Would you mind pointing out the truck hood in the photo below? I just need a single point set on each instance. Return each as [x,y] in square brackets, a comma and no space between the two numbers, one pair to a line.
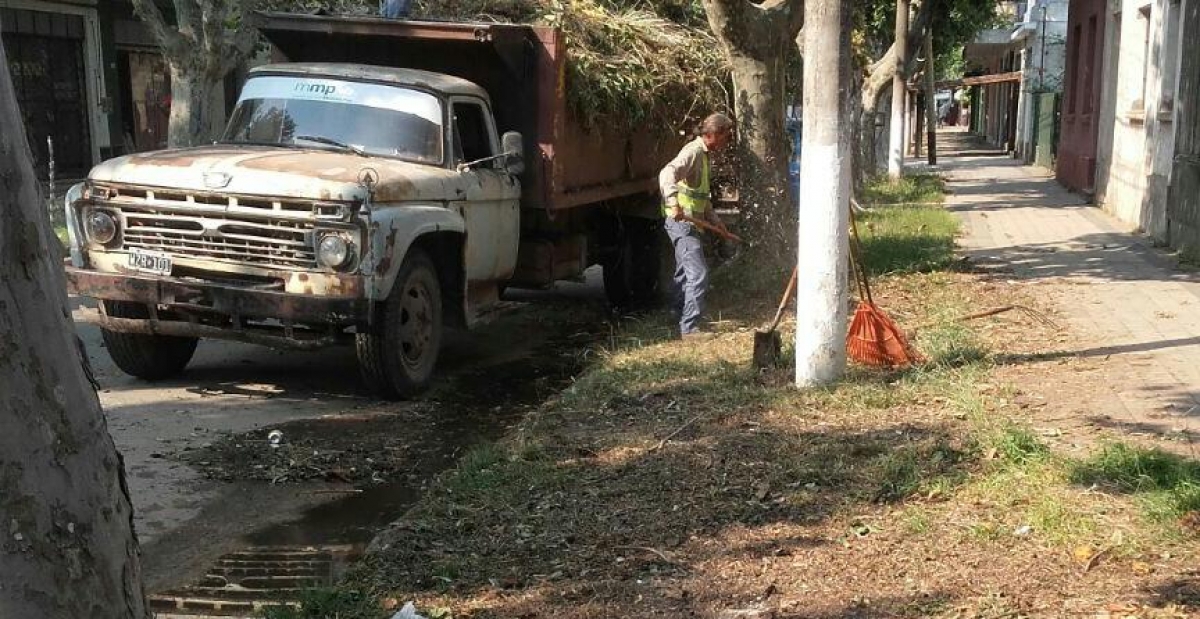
[305,174]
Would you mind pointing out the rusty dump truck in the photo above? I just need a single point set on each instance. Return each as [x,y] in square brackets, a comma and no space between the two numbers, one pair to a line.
[384,180]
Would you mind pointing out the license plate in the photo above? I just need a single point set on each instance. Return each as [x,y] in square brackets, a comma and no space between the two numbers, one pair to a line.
[150,262]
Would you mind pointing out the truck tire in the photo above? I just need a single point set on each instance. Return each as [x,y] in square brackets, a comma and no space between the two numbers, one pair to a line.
[149,357]
[397,354]
[632,270]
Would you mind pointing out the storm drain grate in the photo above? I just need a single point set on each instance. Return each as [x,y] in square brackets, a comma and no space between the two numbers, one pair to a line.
[245,582]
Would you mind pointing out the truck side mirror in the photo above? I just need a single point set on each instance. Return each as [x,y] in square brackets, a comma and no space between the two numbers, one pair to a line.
[514,152]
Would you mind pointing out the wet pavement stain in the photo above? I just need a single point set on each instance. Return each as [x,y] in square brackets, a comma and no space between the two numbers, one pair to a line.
[412,445]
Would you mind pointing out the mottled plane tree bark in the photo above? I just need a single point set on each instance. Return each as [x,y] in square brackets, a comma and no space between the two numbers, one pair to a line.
[67,545]
[207,40]
[759,41]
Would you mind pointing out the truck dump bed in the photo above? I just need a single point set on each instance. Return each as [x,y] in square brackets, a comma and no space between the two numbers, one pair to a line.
[522,69]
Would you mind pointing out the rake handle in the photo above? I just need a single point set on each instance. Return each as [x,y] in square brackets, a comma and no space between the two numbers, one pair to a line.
[711,228]
[860,269]
[787,294]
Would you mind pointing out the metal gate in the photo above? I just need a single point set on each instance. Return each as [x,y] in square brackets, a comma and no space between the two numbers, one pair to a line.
[1183,203]
[45,58]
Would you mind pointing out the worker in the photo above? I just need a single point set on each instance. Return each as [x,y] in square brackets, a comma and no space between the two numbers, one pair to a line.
[685,186]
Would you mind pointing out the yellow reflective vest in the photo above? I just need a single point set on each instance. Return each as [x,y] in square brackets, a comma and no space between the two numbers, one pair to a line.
[694,200]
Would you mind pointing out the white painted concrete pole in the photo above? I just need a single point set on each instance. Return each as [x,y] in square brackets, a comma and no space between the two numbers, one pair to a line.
[825,175]
[898,135]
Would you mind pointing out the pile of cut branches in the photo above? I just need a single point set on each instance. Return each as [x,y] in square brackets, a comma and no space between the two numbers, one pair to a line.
[630,63]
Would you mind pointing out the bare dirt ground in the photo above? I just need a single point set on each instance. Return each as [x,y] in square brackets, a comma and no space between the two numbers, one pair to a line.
[205,482]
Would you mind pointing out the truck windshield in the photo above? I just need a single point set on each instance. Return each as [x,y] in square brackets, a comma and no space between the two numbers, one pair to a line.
[367,118]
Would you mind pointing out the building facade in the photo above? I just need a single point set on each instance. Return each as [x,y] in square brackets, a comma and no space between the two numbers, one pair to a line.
[1131,131]
[89,79]
[1079,128]
[1042,35]
[1142,55]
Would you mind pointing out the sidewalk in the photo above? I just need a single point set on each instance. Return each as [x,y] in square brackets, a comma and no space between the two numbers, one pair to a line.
[1127,305]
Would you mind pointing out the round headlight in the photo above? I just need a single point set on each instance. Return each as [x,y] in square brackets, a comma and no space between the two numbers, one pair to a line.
[100,227]
[333,251]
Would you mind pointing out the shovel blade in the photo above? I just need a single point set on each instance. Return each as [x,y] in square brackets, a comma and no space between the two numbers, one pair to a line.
[767,348]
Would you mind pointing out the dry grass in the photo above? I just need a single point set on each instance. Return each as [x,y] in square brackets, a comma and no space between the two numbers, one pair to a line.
[632,64]
[672,479]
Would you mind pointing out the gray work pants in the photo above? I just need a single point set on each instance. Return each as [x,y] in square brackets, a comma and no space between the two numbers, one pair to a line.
[691,274]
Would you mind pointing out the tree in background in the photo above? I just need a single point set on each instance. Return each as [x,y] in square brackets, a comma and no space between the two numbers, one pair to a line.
[206,42]
[759,42]
[955,23]
[69,548]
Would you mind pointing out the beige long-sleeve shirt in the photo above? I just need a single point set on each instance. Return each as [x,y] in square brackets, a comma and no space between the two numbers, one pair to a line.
[687,166]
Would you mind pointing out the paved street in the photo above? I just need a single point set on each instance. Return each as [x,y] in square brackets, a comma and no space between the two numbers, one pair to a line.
[1127,301]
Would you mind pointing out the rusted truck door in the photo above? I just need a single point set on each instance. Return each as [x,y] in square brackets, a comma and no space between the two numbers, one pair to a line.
[492,195]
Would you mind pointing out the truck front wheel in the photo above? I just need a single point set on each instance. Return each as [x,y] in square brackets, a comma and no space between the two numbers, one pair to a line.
[149,357]
[397,353]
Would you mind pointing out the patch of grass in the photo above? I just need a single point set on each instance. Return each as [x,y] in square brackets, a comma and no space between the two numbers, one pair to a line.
[1017,446]
[907,231]
[493,475]
[952,344]
[1060,521]
[329,602]
[1168,485]
[901,239]
[911,470]
[916,521]
[985,531]
[912,188]
[60,230]
[1024,483]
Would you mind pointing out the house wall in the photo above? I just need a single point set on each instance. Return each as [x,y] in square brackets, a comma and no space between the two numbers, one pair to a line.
[1162,88]
[1121,179]
[1183,206]
[1081,107]
[125,84]
[1134,165]
[41,15]
[1043,35]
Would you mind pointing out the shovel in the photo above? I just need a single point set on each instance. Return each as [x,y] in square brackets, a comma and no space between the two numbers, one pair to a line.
[711,228]
[767,344]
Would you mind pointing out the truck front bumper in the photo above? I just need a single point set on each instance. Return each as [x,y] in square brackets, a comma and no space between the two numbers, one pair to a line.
[237,303]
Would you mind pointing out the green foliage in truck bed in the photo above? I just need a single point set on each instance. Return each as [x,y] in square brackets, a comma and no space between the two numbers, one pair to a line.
[630,63]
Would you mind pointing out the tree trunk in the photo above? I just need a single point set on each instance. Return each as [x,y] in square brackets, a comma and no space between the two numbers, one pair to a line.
[825,176]
[767,209]
[869,133]
[860,124]
[68,545]
[896,152]
[197,107]
[759,39]
[931,98]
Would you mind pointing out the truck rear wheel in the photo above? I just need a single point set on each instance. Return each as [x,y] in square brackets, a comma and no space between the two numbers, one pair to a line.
[149,357]
[632,270]
[397,354]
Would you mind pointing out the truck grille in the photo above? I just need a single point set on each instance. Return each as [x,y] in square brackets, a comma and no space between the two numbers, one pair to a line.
[258,231]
